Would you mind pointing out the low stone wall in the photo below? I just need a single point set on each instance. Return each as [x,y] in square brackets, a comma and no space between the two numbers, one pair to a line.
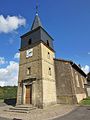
[80,97]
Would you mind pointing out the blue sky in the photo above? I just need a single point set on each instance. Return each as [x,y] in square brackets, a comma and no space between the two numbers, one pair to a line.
[67,21]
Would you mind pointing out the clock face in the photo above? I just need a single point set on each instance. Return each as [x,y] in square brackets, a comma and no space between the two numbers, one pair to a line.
[29,53]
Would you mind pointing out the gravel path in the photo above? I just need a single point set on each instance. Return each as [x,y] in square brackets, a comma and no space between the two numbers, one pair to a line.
[37,114]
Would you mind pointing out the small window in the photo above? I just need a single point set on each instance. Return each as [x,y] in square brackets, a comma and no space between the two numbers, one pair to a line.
[48,55]
[29,42]
[29,71]
[47,42]
[49,72]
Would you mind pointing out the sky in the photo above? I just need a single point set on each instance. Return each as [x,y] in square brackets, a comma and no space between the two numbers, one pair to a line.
[67,21]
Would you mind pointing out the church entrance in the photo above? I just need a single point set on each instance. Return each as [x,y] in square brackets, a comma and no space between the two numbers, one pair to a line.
[28,94]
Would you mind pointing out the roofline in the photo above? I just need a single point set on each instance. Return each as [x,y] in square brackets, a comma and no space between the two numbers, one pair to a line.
[33,23]
[79,69]
[47,33]
[30,32]
[73,65]
[36,30]
[63,60]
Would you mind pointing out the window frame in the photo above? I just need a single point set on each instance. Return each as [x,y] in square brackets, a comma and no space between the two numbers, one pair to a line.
[29,71]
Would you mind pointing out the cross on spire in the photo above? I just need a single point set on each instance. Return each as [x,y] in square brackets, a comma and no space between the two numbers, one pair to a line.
[36,6]
[36,23]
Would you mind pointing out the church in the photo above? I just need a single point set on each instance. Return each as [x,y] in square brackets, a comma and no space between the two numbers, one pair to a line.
[43,79]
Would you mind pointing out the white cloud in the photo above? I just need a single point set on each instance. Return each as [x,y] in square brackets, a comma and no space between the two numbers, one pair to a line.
[11,23]
[2,83]
[86,69]
[2,60]
[9,74]
[88,53]
[17,55]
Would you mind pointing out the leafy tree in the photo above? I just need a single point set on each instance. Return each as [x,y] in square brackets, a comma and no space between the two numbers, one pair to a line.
[8,92]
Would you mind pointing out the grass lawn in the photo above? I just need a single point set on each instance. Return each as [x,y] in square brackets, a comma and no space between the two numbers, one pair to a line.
[85,101]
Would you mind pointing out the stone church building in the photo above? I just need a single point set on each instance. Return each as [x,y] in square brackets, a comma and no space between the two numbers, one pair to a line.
[43,79]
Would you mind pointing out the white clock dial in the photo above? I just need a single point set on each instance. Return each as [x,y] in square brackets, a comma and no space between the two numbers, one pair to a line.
[29,53]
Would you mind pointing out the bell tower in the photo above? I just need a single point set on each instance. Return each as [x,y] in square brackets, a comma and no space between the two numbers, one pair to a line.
[36,82]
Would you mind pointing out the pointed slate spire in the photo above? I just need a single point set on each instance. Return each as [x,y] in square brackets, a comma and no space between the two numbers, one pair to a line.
[36,22]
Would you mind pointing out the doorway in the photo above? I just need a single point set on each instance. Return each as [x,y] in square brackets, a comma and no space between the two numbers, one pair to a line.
[28,94]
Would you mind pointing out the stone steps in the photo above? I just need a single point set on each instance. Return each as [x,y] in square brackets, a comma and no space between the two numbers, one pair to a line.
[21,109]
[24,106]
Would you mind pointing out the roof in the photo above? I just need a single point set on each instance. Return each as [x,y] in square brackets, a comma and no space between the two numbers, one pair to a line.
[38,34]
[26,34]
[74,65]
[36,22]
[35,26]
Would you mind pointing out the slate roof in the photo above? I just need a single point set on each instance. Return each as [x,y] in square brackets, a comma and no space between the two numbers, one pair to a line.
[36,22]
[37,34]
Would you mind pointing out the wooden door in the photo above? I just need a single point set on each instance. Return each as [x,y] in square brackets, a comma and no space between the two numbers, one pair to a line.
[28,94]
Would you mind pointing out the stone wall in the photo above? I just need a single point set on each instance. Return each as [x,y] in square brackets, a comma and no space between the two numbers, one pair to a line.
[44,87]
[79,80]
[66,84]
[49,84]
[64,87]
[35,63]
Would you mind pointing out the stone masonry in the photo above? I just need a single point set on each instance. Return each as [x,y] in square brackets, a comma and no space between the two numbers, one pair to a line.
[69,83]
[44,80]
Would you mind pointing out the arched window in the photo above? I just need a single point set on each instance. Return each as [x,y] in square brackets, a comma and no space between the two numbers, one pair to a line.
[47,42]
[29,71]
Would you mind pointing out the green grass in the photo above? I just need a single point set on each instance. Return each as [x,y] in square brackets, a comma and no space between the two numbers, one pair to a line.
[85,101]
[8,92]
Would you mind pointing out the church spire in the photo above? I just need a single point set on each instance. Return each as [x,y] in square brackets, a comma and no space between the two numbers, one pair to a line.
[36,22]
